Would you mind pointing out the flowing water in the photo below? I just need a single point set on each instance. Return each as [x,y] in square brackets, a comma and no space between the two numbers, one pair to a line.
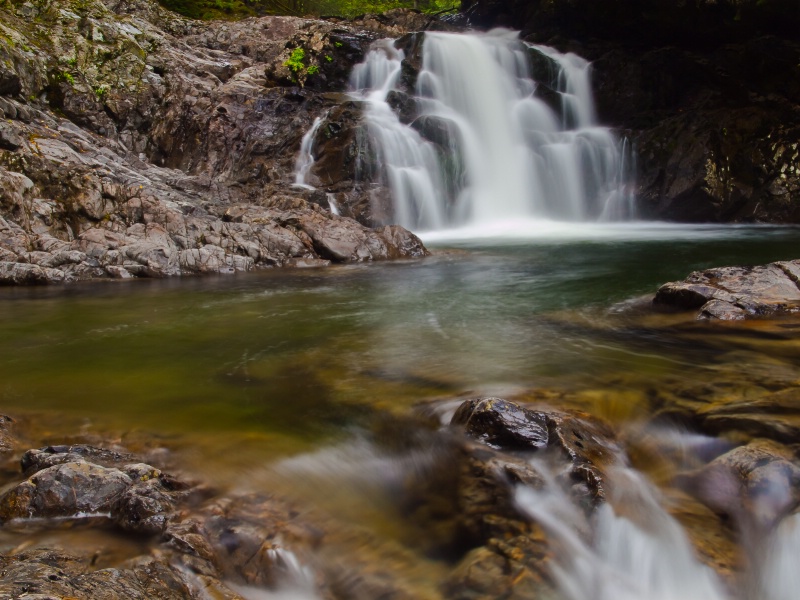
[264,381]
[276,380]
[486,145]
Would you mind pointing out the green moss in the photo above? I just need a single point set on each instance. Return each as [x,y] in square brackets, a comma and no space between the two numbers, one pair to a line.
[65,76]
[101,91]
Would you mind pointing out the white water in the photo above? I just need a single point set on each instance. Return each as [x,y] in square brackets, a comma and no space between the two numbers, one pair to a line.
[502,154]
[305,160]
[642,554]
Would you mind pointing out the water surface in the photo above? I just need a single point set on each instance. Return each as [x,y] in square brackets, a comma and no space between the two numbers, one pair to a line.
[292,359]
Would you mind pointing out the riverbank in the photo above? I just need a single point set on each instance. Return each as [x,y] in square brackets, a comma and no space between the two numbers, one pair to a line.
[137,143]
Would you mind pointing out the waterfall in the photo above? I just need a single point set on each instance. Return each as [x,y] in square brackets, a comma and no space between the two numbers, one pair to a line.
[305,160]
[638,553]
[489,142]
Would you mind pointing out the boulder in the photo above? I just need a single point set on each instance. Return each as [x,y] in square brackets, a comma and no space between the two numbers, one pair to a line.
[735,293]
[76,482]
[586,445]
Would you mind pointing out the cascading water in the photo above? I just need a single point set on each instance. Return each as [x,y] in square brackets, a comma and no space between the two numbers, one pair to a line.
[485,145]
[643,554]
[305,160]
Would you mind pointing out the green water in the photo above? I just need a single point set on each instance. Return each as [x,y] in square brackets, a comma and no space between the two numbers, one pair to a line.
[292,359]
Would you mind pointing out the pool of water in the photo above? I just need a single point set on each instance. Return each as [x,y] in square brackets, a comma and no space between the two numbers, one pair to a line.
[287,361]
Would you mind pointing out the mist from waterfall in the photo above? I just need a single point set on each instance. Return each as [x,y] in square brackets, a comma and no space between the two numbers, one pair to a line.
[486,146]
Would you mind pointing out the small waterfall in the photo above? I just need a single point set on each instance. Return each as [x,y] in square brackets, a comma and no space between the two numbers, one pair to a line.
[638,553]
[489,143]
[779,577]
[305,160]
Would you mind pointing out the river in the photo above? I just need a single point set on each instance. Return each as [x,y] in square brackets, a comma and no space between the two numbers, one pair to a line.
[265,381]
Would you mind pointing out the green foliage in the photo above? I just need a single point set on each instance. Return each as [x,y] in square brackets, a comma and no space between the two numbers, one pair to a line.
[329,58]
[100,92]
[295,62]
[65,76]
[234,9]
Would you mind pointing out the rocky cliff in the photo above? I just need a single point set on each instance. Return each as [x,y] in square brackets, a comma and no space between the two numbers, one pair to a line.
[134,142]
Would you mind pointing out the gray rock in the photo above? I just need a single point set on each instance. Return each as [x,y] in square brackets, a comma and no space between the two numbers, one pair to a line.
[735,293]
[66,490]
[756,484]
[9,138]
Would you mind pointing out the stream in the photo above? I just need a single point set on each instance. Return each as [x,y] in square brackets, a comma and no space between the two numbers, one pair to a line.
[268,380]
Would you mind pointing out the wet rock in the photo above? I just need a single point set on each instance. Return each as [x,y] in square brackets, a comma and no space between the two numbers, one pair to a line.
[755,485]
[515,568]
[772,416]
[713,539]
[245,538]
[68,482]
[735,293]
[45,574]
[66,490]
[586,444]
[502,424]
[37,459]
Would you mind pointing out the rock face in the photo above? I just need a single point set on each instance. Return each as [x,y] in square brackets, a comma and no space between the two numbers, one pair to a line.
[714,129]
[137,143]
[735,293]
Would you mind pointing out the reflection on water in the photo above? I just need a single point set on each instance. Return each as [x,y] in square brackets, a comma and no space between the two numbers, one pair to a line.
[285,359]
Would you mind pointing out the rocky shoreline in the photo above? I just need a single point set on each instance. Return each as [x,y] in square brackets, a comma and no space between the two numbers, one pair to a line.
[138,143]
[735,293]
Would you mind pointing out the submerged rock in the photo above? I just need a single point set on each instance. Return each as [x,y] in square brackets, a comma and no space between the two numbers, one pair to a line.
[7,440]
[735,293]
[756,485]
